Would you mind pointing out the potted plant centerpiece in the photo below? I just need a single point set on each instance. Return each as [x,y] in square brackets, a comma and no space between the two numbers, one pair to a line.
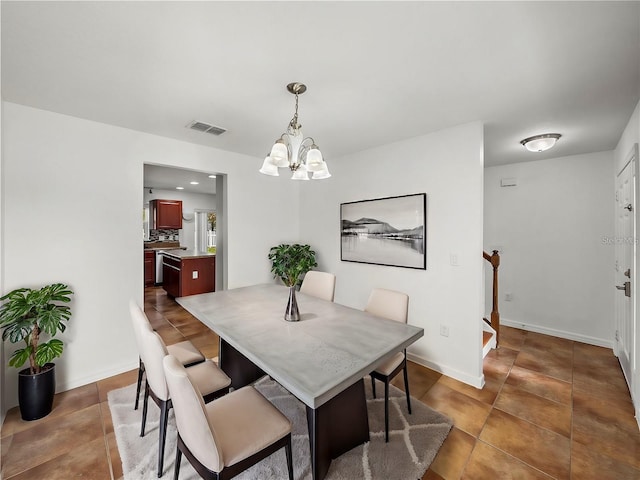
[25,315]
[290,263]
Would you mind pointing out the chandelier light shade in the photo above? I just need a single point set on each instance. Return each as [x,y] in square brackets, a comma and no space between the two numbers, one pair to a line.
[540,143]
[292,150]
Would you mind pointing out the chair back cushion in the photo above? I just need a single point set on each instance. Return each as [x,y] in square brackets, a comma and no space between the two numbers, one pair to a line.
[191,419]
[140,324]
[388,304]
[319,284]
[153,352]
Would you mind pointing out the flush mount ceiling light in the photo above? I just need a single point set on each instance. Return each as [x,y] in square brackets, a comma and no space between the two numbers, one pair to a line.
[540,143]
[293,150]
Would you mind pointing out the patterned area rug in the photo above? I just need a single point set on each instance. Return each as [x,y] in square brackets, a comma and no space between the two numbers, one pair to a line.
[414,440]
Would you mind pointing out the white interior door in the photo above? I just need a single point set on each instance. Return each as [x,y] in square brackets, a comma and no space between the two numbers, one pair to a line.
[625,275]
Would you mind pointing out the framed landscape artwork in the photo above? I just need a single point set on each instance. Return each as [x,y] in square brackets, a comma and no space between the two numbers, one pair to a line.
[385,231]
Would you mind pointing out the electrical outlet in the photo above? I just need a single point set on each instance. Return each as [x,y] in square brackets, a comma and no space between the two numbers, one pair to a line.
[444,330]
[194,274]
[453,259]
[508,297]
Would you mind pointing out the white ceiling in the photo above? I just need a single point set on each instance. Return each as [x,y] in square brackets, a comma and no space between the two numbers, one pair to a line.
[377,72]
[165,178]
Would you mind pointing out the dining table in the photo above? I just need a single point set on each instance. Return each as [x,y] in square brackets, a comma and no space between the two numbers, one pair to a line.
[321,359]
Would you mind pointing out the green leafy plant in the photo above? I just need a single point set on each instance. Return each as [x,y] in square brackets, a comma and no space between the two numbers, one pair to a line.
[290,262]
[26,314]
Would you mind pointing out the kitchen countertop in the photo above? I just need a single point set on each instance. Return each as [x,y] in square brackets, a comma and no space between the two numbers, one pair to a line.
[187,253]
[162,245]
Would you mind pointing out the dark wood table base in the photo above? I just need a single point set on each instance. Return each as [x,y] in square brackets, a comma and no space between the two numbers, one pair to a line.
[335,427]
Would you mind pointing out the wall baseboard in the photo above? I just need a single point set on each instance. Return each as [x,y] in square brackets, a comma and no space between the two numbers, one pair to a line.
[477,382]
[599,342]
[79,382]
[95,377]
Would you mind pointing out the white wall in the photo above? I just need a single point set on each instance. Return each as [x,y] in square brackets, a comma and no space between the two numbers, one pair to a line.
[448,167]
[629,138]
[67,180]
[550,230]
[2,229]
[190,202]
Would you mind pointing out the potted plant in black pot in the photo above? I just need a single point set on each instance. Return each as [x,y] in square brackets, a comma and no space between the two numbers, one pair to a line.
[25,315]
[290,263]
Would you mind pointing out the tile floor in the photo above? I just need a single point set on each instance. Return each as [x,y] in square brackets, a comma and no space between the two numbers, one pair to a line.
[551,408]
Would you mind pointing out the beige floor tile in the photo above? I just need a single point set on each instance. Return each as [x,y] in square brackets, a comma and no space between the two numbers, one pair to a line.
[541,342]
[527,406]
[499,361]
[74,463]
[602,426]
[487,394]
[556,364]
[53,438]
[591,464]
[538,447]
[468,414]
[489,463]
[114,456]
[431,475]
[170,334]
[541,385]
[453,455]
[512,338]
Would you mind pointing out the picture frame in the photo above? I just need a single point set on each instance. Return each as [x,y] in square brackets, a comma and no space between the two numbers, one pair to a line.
[389,231]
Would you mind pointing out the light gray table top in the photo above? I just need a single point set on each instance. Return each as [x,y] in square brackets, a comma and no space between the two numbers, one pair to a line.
[328,350]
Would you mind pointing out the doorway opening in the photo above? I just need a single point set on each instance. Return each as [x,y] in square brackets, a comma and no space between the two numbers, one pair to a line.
[203,197]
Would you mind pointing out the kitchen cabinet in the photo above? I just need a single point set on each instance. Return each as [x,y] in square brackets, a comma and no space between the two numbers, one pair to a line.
[165,214]
[149,267]
[188,275]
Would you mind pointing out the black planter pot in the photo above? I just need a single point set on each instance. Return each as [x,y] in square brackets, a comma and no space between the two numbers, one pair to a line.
[35,392]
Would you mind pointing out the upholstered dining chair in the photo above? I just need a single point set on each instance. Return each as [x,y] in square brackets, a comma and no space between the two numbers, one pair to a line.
[319,284]
[186,352]
[225,437]
[394,306]
[211,381]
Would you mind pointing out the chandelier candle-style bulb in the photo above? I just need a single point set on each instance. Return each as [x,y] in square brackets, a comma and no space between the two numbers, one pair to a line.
[294,150]
[268,168]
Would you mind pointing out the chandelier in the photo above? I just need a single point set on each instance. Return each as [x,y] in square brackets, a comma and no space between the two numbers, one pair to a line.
[293,150]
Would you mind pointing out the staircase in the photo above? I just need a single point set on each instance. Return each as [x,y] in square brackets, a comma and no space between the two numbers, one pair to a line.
[491,329]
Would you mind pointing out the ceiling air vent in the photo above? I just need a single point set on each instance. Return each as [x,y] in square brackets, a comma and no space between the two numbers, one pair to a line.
[206,128]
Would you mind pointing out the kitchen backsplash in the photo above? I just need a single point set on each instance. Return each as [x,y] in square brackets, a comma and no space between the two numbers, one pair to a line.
[155,235]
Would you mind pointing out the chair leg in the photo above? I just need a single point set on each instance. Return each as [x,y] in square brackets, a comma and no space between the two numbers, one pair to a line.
[176,470]
[386,410]
[145,405]
[406,388]
[287,449]
[164,419]
[373,386]
[140,372]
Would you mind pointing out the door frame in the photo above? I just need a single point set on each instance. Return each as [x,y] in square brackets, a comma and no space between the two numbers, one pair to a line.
[634,385]
[625,258]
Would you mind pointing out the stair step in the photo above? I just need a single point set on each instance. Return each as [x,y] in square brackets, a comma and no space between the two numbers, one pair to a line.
[486,336]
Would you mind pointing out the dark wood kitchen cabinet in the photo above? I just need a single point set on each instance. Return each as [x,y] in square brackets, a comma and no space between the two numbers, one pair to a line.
[165,214]
[149,268]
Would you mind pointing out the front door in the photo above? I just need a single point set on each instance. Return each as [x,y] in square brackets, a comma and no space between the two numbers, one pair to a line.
[624,276]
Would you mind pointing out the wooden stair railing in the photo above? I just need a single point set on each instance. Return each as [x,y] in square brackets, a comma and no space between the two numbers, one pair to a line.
[494,260]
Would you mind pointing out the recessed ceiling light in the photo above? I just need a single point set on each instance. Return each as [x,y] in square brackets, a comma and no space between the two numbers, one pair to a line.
[179,188]
[194,183]
[212,176]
